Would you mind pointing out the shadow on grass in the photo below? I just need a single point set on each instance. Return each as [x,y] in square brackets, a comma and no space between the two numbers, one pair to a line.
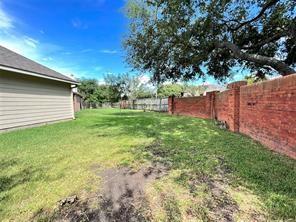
[10,181]
[19,174]
[197,145]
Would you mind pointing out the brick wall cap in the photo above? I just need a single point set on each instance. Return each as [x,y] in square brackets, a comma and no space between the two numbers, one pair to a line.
[284,81]
[237,84]
[212,92]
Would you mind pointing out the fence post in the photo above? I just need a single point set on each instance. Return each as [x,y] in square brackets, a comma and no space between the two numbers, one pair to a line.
[133,103]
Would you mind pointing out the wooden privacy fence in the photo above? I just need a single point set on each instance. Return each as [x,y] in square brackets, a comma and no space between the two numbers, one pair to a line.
[89,105]
[152,104]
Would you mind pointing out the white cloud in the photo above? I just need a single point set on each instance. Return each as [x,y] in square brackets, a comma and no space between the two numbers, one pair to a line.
[108,51]
[28,46]
[46,53]
[20,45]
[6,21]
[11,39]
[31,42]
[41,52]
[47,59]
[109,73]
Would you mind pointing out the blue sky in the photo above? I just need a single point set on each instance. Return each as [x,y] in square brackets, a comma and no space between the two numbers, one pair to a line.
[71,36]
[75,37]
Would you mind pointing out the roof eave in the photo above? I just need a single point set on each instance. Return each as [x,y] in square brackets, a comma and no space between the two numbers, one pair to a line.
[36,74]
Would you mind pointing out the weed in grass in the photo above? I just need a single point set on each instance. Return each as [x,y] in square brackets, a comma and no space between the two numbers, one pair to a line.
[172,209]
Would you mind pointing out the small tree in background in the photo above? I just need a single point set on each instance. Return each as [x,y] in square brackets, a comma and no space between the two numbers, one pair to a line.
[127,86]
[88,89]
[170,90]
[193,90]
[251,79]
[94,93]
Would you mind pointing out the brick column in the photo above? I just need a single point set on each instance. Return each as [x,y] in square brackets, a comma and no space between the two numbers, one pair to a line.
[210,104]
[235,91]
[171,104]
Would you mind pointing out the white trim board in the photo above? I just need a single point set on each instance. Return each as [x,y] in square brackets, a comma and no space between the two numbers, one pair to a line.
[36,74]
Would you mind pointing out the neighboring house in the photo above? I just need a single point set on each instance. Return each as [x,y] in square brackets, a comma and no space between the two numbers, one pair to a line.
[32,94]
[213,87]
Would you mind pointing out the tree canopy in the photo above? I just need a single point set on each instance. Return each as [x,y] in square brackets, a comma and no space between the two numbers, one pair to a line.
[170,90]
[186,39]
[93,93]
[114,88]
[127,86]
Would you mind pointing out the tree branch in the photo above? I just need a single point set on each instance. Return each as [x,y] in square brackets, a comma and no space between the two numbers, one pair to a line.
[278,65]
[264,8]
[273,38]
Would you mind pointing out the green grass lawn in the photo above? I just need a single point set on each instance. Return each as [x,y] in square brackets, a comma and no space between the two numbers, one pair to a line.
[40,166]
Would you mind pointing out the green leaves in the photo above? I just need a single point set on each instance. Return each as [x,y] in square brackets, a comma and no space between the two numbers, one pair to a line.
[178,38]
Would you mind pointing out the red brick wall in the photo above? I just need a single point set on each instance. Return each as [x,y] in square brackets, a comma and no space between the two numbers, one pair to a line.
[171,105]
[199,106]
[224,107]
[265,111]
[191,106]
[268,113]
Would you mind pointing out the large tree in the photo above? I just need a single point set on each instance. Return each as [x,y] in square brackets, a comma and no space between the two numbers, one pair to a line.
[127,86]
[94,93]
[185,39]
[87,88]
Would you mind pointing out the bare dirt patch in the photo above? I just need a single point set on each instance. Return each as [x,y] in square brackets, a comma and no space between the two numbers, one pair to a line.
[122,198]
[219,203]
[124,190]
[122,195]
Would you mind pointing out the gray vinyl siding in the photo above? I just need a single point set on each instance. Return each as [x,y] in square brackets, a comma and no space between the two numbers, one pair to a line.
[26,100]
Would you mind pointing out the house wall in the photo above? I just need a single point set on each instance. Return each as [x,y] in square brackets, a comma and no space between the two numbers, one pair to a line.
[265,111]
[26,100]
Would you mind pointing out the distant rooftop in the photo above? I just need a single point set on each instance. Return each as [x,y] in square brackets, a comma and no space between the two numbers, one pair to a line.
[13,60]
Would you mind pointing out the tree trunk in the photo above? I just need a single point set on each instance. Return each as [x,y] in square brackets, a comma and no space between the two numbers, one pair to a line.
[278,65]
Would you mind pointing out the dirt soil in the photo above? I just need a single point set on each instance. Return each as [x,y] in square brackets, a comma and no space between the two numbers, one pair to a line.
[124,188]
[122,195]
[220,205]
[121,198]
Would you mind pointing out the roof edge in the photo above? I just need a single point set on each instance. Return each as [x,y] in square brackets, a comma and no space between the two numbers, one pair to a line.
[6,68]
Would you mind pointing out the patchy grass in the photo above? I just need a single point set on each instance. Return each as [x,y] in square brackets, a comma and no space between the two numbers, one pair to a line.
[213,172]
